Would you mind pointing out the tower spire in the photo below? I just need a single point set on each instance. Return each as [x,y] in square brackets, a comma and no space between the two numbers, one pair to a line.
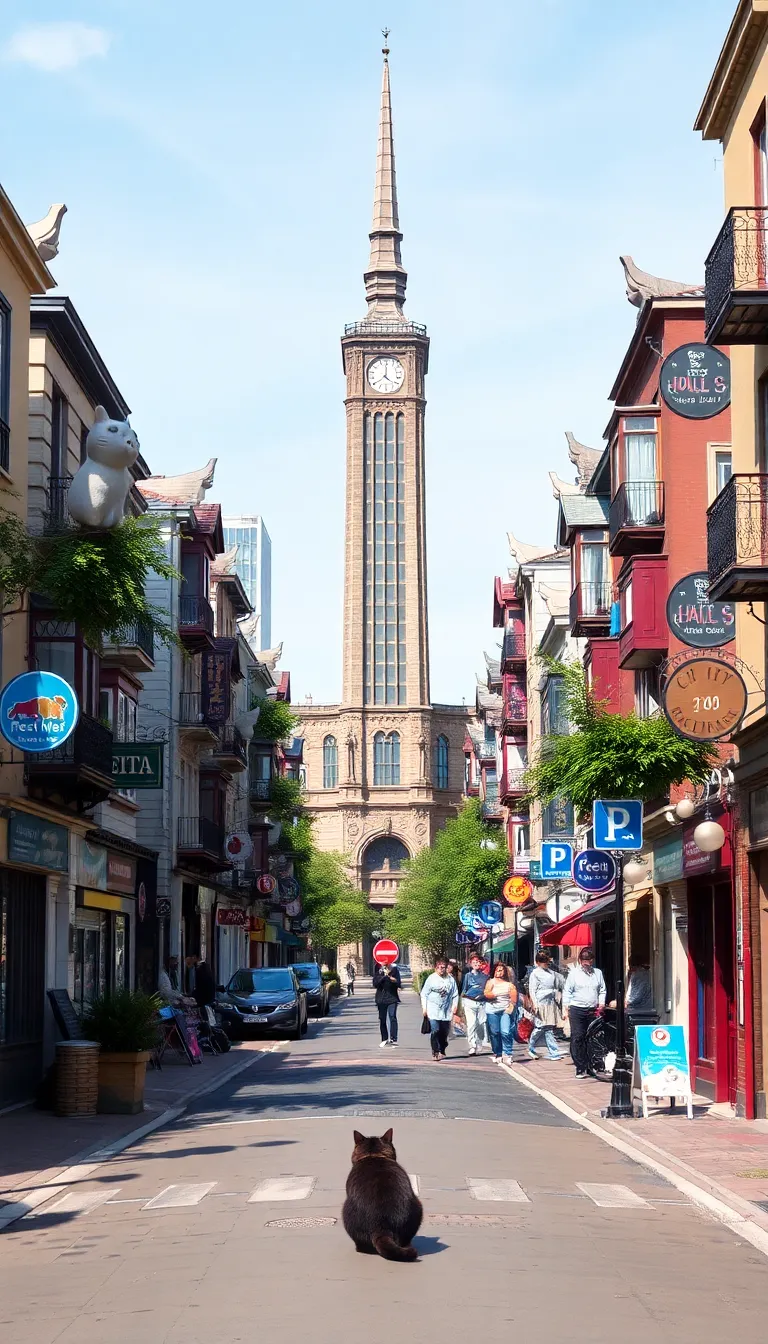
[385,278]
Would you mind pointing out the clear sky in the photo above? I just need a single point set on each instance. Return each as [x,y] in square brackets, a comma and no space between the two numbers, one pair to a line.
[217,161]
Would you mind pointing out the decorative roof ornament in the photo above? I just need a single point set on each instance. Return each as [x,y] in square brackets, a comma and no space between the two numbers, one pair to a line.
[248,628]
[556,599]
[583,458]
[385,278]
[561,487]
[269,658]
[189,488]
[225,563]
[522,552]
[45,232]
[641,285]
[246,722]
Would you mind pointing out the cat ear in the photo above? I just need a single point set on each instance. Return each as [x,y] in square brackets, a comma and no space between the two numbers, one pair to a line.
[100,415]
[357,1136]
[387,1138]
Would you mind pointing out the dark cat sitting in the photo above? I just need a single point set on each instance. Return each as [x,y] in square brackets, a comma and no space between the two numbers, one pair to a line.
[381,1213]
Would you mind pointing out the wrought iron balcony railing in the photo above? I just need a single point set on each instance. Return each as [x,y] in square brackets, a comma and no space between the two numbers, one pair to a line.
[516,708]
[736,278]
[636,504]
[57,511]
[737,538]
[385,329]
[199,834]
[232,743]
[191,711]
[513,781]
[195,613]
[89,747]
[136,636]
[260,790]
[591,601]
[513,646]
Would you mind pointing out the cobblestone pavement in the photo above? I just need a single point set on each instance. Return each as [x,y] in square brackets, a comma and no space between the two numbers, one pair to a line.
[225,1225]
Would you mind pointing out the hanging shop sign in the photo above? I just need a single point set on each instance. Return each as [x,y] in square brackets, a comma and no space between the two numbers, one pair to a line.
[696,860]
[121,873]
[92,866]
[39,843]
[594,871]
[163,907]
[266,884]
[695,381]
[705,698]
[141,901]
[216,686]
[668,859]
[137,765]
[238,847]
[491,912]
[563,904]
[293,909]
[38,711]
[466,915]
[517,890]
[231,918]
[464,938]
[694,618]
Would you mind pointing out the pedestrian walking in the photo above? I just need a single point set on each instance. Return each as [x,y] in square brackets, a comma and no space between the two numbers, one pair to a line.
[544,985]
[456,1026]
[583,995]
[473,1002]
[386,982]
[500,993]
[439,996]
[350,973]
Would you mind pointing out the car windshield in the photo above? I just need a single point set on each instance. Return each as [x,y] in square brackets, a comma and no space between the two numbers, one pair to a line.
[307,975]
[260,982]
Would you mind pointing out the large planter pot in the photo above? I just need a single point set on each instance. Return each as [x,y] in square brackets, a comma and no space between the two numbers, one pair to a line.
[121,1082]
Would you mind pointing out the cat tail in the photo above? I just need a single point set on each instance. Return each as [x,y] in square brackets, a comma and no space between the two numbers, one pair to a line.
[386,1246]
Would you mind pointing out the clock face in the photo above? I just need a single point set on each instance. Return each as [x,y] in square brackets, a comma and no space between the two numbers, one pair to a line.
[386,374]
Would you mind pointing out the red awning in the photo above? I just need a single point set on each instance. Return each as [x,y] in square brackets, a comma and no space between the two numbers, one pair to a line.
[574,930]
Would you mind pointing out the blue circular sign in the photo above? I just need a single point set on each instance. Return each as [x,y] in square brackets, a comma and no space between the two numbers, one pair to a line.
[466,916]
[491,912]
[479,925]
[38,711]
[594,871]
[463,937]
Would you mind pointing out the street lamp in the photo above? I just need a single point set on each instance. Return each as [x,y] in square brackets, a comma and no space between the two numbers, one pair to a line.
[709,836]
[620,1106]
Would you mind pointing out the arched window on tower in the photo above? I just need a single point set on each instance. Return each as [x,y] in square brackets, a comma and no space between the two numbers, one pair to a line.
[441,762]
[330,763]
[386,758]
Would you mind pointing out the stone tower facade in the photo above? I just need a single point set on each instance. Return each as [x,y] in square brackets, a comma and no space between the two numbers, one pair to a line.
[384,769]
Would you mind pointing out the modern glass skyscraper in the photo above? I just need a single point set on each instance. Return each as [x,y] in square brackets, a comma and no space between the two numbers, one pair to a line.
[254,566]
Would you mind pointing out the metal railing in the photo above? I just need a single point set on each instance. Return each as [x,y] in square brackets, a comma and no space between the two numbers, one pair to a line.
[200,834]
[591,601]
[737,525]
[57,509]
[516,708]
[136,636]
[513,646]
[485,750]
[513,781]
[195,613]
[738,260]
[191,711]
[5,446]
[385,329]
[259,790]
[89,746]
[636,504]
[232,743]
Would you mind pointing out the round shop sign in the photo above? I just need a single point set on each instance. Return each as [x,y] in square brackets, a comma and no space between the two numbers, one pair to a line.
[238,847]
[705,698]
[594,871]
[463,937]
[38,711]
[695,381]
[466,915]
[491,912]
[479,926]
[517,890]
[265,884]
[694,619]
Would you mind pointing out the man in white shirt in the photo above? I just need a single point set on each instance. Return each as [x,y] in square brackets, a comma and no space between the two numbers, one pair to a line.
[584,993]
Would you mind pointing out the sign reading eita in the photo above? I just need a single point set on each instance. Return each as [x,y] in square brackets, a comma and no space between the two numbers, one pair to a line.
[137,765]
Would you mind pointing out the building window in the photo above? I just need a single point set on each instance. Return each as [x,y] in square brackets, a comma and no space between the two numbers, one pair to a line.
[491,788]
[723,468]
[59,431]
[640,469]
[441,762]
[387,854]
[594,574]
[647,694]
[384,589]
[5,383]
[554,716]
[386,758]
[330,763]
[557,818]
[84,432]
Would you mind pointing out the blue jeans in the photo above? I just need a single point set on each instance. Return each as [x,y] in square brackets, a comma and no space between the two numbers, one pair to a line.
[439,1035]
[549,1037]
[499,1027]
[388,1021]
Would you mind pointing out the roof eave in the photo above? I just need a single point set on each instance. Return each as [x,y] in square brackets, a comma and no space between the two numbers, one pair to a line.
[732,68]
[15,237]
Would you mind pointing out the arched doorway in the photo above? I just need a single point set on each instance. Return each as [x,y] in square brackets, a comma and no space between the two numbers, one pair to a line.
[382,872]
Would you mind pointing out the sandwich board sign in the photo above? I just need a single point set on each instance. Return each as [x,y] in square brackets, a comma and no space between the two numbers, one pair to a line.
[661,1056]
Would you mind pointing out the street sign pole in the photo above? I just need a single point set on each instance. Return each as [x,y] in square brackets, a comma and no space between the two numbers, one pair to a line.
[620,1106]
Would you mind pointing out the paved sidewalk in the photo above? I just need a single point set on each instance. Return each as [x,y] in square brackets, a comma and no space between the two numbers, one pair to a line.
[36,1145]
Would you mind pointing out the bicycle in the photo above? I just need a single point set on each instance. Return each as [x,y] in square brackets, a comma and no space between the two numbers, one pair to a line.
[600,1044]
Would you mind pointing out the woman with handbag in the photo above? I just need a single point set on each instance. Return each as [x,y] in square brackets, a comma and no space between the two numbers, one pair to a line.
[544,985]
[501,998]
[439,996]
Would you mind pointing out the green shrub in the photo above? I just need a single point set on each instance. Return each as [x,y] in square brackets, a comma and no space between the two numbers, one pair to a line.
[418,979]
[124,1021]
[276,720]
[333,982]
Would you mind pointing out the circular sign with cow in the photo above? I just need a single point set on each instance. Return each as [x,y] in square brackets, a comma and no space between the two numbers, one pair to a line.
[695,381]
[694,618]
[38,711]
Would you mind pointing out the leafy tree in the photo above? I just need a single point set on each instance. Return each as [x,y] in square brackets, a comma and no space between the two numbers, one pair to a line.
[285,799]
[457,870]
[338,912]
[276,720]
[611,755]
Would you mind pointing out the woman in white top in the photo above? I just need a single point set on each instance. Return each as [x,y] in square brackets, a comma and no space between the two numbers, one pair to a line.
[501,1000]
[439,996]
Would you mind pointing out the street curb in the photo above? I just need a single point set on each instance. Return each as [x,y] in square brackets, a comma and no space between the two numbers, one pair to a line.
[745,1227]
[79,1168]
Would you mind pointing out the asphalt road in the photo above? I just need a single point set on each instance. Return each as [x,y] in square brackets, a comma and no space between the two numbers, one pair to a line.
[225,1226]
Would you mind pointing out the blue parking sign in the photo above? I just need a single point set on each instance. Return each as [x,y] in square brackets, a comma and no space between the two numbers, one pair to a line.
[617,823]
[556,859]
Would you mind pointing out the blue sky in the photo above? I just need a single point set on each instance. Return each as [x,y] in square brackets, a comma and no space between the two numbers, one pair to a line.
[217,162]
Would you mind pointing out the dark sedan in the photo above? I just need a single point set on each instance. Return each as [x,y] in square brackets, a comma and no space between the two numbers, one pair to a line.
[310,978]
[263,1000]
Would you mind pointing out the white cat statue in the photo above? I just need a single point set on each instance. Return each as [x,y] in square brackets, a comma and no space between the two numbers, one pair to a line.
[100,488]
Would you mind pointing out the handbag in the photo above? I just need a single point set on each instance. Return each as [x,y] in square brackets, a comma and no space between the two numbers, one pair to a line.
[524,1027]
[426,1029]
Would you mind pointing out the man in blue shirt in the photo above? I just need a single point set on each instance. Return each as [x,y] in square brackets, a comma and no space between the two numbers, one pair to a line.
[583,997]
[473,1002]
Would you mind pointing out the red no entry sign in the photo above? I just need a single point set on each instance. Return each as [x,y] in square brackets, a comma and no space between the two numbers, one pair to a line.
[385,952]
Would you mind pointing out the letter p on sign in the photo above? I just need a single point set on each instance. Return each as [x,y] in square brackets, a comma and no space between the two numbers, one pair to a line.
[618,823]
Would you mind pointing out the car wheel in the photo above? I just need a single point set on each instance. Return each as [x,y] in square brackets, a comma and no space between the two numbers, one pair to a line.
[305,1028]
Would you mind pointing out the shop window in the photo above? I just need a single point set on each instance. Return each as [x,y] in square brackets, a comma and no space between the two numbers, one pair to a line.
[647,693]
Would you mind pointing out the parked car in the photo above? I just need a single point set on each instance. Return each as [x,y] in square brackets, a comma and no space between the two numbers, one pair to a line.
[310,978]
[263,1000]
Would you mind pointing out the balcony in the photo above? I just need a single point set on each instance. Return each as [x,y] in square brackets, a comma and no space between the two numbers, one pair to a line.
[643,588]
[514,707]
[132,648]
[385,329]
[259,792]
[78,774]
[636,518]
[737,540]
[195,622]
[492,810]
[736,279]
[513,650]
[193,722]
[512,785]
[485,750]
[56,518]
[231,751]
[201,842]
[590,609]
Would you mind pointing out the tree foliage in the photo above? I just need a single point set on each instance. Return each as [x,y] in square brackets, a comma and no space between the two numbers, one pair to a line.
[338,912]
[457,870]
[276,720]
[611,755]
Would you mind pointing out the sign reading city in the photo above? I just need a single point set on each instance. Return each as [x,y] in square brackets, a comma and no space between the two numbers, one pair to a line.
[694,619]
[491,912]
[594,871]
[556,859]
[38,711]
[385,952]
[517,890]
[663,1060]
[695,381]
[137,765]
[617,823]
[705,698]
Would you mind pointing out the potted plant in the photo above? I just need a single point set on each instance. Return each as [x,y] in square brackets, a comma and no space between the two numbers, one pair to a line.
[125,1023]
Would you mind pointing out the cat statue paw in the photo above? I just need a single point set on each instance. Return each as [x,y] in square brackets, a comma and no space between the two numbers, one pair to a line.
[100,488]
